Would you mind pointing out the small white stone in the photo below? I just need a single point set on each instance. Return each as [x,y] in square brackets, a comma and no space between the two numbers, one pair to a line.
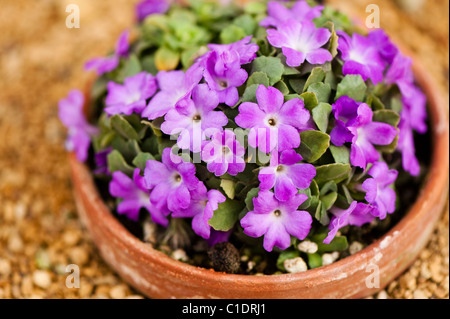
[42,279]
[355,247]
[328,259]
[295,265]
[308,247]
[382,295]
[180,254]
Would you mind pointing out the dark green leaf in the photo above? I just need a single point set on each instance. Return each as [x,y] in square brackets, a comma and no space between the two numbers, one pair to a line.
[271,66]
[317,75]
[313,145]
[116,162]
[226,215]
[321,115]
[314,261]
[141,159]
[332,172]
[341,154]
[310,100]
[322,91]
[123,127]
[249,198]
[353,86]
[258,78]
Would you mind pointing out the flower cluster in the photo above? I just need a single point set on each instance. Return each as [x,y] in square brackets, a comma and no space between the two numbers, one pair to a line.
[281,129]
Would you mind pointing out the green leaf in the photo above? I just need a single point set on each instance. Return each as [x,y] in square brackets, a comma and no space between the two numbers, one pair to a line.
[341,154]
[332,172]
[123,127]
[314,261]
[141,159]
[386,116]
[226,216]
[231,34]
[258,78]
[249,198]
[317,75]
[353,86]
[310,100]
[250,93]
[329,200]
[132,66]
[166,59]
[321,115]
[282,87]
[322,91]
[375,103]
[116,162]
[321,214]
[247,23]
[339,243]
[229,187]
[286,255]
[313,145]
[269,65]
[297,85]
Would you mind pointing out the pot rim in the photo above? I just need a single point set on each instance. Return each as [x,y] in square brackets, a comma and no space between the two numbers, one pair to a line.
[434,190]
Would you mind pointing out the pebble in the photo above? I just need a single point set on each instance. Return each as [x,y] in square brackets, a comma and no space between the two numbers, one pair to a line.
[355,247]
[328,259]
[42,279]
[419,294]
[118,292]
[180,254]
[79,256]
[5,267]
[382,295]
[308,247]
[15,243]
[295,265]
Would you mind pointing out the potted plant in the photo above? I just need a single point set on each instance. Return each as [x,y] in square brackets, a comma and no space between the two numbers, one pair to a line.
[275,149]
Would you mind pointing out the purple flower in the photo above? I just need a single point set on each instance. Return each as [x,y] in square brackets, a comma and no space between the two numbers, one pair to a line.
[218,237]
[170,181]
[286,175]
[134,195]
[357,214]
[148,7]
[276,220]
[386,48]
[244,49]
[201,210]
[354,125]
[378,192]
[194,119]
[300,42]
[400,73]
[101,162]
[412,117]
[223,71]
[104,65]
[272,122]
[361,57]
[414,113]
[224,154]
[278,13]
[79,130]
[131,97]
[174,86]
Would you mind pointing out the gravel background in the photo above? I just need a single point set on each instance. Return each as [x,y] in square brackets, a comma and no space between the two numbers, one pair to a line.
[41,60]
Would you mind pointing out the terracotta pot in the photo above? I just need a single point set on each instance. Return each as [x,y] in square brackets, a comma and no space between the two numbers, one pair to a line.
[158,276]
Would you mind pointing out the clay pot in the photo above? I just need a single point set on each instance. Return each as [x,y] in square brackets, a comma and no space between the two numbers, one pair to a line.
[158,276]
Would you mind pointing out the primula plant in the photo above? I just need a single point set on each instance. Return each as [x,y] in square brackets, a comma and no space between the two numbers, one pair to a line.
[278,128]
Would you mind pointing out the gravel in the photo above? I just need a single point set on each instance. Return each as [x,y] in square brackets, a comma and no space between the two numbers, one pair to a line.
[40,61]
